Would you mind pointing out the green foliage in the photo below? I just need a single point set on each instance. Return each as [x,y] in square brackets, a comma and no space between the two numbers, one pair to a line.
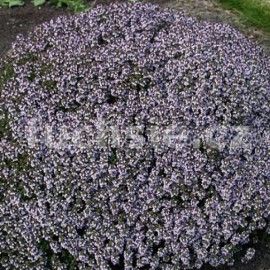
[44,247]
[64,256]
[49,84]
[6,73]
[11,3]
[253,12]
[68,259]
[28,58]
[113,157]
[38,2]
[75,5]
[4,124]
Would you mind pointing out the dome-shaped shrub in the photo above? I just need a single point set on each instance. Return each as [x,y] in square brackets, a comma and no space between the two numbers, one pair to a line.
[105,157]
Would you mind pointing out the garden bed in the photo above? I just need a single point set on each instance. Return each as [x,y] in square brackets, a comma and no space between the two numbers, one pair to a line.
[20,20]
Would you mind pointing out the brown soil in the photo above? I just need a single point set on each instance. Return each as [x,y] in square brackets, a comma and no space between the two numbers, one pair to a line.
[20,20]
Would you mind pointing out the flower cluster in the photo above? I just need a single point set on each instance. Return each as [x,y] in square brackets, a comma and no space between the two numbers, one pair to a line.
[121,207]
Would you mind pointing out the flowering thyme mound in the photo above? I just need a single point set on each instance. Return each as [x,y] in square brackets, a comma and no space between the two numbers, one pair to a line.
[163,197]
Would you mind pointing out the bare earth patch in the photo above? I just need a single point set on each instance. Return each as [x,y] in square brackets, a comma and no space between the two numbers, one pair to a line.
[20,20]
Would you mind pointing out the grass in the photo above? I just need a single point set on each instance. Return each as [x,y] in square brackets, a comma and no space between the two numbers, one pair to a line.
[254,12]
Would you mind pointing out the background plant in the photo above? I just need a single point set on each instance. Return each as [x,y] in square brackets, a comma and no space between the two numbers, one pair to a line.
[75,5]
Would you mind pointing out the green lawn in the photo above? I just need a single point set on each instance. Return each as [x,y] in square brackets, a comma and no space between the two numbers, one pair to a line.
[254,12]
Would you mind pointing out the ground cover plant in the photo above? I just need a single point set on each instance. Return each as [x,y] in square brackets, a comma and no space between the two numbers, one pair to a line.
[105,158]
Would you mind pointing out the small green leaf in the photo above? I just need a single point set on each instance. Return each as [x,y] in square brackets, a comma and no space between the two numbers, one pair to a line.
[38,2]
[12,3]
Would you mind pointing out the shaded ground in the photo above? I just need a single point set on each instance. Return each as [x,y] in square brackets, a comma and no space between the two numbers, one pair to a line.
[23,19]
